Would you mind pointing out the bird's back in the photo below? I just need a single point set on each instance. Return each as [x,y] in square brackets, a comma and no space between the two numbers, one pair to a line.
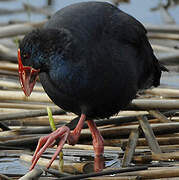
[84,20]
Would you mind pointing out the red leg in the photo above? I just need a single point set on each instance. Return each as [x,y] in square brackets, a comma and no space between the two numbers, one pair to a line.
[64,134]
[98,142]
[74,136]
[98,145]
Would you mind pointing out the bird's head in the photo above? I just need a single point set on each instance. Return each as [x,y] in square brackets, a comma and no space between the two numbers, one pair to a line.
[27,75]
[35,52]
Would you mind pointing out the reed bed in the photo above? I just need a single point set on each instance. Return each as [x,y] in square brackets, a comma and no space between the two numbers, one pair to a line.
[141,141]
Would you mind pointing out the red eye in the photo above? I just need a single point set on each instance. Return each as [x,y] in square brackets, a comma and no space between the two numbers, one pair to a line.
[26,56]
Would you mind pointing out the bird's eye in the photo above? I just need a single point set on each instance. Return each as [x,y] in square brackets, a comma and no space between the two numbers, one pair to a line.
[26,56]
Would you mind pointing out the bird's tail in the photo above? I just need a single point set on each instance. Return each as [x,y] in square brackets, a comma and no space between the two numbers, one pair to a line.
[158,68]
[163,68]
[152,73]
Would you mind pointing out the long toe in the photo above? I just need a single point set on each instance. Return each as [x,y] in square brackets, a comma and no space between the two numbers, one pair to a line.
[47,141]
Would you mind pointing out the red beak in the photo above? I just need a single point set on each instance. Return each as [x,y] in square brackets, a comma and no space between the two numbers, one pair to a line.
[27,76]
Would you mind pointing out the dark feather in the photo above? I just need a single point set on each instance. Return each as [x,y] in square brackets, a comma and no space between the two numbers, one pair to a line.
[93,58]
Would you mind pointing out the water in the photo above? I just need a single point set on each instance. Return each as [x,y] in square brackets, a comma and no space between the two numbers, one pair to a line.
[12,166]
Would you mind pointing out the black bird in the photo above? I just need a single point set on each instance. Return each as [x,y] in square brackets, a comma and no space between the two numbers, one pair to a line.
[92,59]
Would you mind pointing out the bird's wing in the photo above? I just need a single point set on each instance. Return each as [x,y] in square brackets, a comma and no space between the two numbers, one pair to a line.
[126,28]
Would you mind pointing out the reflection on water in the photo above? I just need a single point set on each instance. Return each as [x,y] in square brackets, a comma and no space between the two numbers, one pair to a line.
[99,164]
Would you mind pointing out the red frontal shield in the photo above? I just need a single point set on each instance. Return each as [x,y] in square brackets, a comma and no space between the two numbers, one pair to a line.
[27,76]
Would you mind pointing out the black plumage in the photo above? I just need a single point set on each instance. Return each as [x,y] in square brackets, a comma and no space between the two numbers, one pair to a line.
[93,58]
[100,57]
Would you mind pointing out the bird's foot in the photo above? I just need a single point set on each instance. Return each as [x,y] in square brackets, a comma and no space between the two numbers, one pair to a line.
[64,134]
[49,141]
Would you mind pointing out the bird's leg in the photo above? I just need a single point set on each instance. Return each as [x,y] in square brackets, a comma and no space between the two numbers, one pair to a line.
[98,145]
[75,134]
[98,142]
[64,134]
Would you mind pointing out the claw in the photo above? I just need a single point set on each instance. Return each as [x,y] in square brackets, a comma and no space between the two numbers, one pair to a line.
[47,141]
[59,148]
[64,134]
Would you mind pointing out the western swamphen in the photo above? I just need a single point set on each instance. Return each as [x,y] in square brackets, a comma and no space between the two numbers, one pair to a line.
[91,58]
